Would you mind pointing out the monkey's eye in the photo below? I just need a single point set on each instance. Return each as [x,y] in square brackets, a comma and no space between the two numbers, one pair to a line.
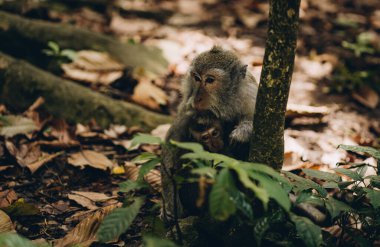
[210,80]
[197,78]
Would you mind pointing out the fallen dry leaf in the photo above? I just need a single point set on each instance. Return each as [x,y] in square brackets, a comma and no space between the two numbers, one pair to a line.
[94,196]
[118,170]
[90,158]
[314,68]
[248,18]
[127,144]
[83,201]
[42,160]
[60,130]
[161,130]
[130,27]
[84,234]
[114,131]
[367,96]
[149,95]
[7,197]
[295,110]
[93,67]
[29,155]
[131,170]
[6,224]
[153,177]
[13,125]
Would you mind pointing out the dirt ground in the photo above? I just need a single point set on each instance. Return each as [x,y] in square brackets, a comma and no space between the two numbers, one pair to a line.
[48,205]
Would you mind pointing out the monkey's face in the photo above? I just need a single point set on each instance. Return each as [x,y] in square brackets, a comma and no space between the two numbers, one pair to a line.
[210,137]
[206,88]
[213,81]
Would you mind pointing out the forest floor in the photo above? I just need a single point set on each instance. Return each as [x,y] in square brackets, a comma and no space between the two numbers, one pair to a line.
[45,176]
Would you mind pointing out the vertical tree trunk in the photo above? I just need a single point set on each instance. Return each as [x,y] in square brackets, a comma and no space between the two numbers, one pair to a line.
[267,140]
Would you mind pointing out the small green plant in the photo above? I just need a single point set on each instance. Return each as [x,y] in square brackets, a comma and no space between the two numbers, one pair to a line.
[53,50]
[253,196]
[363,44]
[350,75]
[15,240]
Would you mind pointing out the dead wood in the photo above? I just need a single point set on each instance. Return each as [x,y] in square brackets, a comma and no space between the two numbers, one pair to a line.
[21,84]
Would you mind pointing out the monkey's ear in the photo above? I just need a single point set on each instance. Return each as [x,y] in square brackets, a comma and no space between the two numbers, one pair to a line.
[216,49]
[243,71]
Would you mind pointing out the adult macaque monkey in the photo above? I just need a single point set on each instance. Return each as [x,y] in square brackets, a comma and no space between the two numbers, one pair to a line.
[217,86]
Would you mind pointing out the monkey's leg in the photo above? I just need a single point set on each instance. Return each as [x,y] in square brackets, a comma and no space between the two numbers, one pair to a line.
[171,163]
[172,208]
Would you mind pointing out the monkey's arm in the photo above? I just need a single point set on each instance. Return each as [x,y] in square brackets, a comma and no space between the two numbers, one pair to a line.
[248,93]
[242,132]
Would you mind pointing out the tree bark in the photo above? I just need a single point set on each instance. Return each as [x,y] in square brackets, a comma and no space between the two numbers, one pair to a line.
[21,84]
[267,140]
[20,36]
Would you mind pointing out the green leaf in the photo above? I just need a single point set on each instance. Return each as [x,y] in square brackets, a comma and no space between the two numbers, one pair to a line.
[48,52]
[310,233]
[13,125]
[192,146]
[204,155]
[14,240]
[336,207]
[220,200]
[144,157]
[330,185]
[349,173]
[54,47]
[304,184]
[345,184]
[118,221]
[152,241]
[141,138]
[375,181]
[315,200]
[274,189]
[70,54]
[261,227]
[373,196]
[249,184]
[303,196]
[263,224]
[362,149]
[242,204]
[21,208]
[204,171]
[132,185]
[322,175]
[146,167]
[266,170]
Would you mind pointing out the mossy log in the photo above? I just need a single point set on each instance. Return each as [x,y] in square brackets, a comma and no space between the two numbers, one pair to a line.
[267,141]
[21,36]
[21,84]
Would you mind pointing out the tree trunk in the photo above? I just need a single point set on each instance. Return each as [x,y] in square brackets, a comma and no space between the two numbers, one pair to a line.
[21,37]
[267,141]
[21,84]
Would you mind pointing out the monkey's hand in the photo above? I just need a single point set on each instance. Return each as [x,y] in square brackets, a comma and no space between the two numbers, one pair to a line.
[242,132]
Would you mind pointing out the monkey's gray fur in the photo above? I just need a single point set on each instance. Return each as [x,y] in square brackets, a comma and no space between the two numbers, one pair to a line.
[217,84]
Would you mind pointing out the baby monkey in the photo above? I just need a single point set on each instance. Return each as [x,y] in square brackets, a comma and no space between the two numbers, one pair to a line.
[209,132]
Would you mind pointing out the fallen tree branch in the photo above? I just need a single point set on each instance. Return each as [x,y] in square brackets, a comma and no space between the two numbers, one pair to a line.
[21,35]
[21,84]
